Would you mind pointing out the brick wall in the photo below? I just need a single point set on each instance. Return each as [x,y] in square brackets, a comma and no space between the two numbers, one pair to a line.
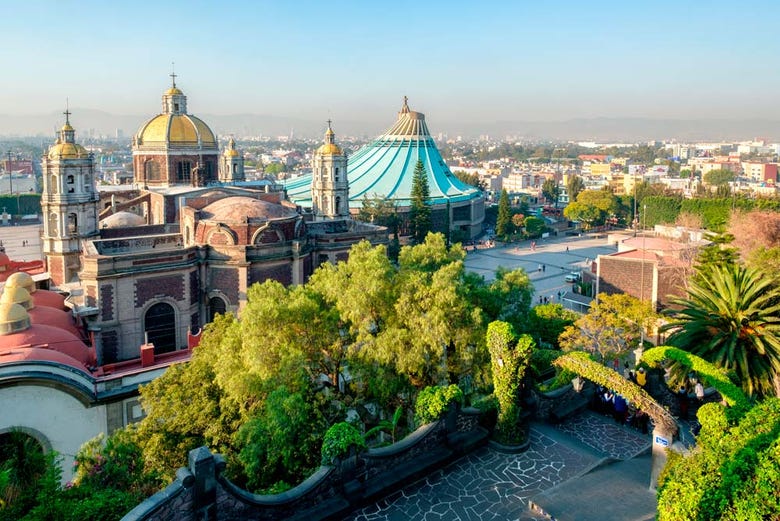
[168,286]
[620,275]
[107,302]
[194,286]
[226,281]
[279,272]
[56,269]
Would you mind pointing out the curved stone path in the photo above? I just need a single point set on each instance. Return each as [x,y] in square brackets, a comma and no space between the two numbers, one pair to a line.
[605,435]
[485,485]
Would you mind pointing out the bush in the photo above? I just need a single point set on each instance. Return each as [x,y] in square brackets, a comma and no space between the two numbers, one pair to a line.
[339,440]
[432,402]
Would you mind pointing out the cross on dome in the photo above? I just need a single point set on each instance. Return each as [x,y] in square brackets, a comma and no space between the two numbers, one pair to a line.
[173,74]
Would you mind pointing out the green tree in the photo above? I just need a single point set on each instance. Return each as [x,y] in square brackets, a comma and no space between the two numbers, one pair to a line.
[546,322]
[379,210]
[611,327]
[419,211]
[574,187]
[730,319]
[719,177]
[534,226]
[504,219]
[281,444]
[509,357]
[471,179]
[551,191]
[274,169]
[592,207]
[685,173]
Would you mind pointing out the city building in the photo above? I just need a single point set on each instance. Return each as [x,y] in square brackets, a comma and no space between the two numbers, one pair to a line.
[385,167]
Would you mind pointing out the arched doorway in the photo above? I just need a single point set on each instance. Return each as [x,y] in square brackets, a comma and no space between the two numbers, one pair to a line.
[160,327]
[22,457]
[216,306]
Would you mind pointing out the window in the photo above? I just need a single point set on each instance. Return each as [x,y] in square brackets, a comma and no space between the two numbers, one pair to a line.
[183,171]
[160,327]
[151,171]
[73,224]
[176,107]
[337,206]
[53,188]
[216,306]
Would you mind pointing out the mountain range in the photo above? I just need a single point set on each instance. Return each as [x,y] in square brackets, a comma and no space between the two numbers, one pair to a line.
[94,122]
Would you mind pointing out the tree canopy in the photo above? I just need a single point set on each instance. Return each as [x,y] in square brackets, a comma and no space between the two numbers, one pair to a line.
[419,211]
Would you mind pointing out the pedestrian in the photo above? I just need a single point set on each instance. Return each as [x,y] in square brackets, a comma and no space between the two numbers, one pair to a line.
[699,391]
[545,300]
[616,364]
[539,269]
[540,299]
[544,267]
[567,249]
[559,296]
[621,408]
[626,370]
[682,402]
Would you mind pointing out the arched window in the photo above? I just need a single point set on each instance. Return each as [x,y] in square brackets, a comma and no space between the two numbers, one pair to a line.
[337,209]
[216,306]
[160,327]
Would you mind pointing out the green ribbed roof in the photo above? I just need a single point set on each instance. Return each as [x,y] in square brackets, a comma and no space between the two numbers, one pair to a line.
[385,167]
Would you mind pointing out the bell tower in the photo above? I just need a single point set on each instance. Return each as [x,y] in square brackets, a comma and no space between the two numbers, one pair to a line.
[329,184]
[231,167]
[69,203]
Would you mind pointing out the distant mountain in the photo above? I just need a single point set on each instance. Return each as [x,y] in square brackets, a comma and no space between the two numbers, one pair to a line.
[97,122]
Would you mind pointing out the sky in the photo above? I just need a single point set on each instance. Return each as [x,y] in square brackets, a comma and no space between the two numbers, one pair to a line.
[475,61]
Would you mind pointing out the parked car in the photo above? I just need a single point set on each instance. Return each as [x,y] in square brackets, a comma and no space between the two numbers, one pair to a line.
[573,276]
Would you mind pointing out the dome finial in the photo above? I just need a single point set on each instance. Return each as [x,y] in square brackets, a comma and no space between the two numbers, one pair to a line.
[173,74]
[67,113]
[405,108]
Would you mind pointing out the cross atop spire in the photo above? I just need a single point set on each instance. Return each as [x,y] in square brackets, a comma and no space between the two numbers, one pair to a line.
[173,73]
[329,122]
[67,113]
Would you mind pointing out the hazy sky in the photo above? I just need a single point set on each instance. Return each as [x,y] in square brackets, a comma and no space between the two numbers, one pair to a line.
[472,61]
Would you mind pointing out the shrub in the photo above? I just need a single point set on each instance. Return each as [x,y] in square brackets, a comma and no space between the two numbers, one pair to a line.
[432,402]
[339,440]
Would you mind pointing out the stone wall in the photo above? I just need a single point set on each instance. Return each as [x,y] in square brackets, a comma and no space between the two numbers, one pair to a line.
[202,492]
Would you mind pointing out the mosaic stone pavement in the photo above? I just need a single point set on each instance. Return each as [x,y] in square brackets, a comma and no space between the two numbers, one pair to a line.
[604,435]
[483,486]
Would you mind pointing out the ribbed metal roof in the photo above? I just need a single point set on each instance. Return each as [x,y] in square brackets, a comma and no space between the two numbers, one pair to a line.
[385,167]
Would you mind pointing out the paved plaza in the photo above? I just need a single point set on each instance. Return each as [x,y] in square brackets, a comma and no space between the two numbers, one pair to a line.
[558,256]
[22,243]
[488,485]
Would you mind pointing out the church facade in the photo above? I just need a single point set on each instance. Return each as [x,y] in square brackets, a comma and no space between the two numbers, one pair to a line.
[195,236]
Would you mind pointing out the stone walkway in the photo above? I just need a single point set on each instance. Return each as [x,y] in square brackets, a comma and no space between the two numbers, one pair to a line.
[485,485]
[604,435]
[488,485]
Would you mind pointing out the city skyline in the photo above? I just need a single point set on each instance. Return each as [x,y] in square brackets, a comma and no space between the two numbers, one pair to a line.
[457,61]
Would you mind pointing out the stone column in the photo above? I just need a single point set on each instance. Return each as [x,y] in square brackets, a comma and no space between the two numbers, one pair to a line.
[203,467]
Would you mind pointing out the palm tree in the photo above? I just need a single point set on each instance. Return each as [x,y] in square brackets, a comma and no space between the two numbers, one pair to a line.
[731,318]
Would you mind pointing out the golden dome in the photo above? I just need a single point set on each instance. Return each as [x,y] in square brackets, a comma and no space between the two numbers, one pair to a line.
[68,151]
[17,296]
[174,91]
[231,152]
[330,149]
[67,128]
[21,280]
[13,318]
[176,129]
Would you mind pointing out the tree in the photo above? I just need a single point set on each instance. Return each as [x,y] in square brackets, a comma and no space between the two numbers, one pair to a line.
[471,179]
[379,210]
[551,191]
[612,326]
[592,207]
[546,322]
[574,186]
[534,226]
[419,211]
[685,173]
[509,360]
[730,319]
[754,231]
[719,177]
[504,219]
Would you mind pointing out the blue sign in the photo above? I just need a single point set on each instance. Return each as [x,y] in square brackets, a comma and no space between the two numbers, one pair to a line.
[662,441]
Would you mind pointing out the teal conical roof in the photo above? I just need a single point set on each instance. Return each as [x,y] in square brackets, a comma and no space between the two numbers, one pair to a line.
[385,166]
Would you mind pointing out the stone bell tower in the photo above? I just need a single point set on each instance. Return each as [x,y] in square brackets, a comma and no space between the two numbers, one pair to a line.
[329,184]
